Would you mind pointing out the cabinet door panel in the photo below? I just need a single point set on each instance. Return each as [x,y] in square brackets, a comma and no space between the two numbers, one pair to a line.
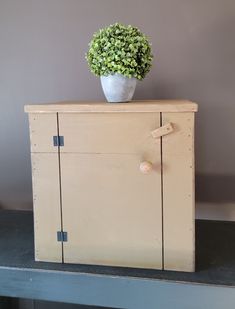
[108,133]
[47,211]
[178,187]
[42,129]
[111,211]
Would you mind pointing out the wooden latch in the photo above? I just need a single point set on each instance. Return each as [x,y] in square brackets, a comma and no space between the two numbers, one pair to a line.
[164,130]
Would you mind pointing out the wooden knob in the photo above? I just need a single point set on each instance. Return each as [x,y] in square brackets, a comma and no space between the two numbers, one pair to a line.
[146,167]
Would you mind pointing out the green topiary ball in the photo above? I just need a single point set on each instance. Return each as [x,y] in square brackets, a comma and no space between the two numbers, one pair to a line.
[120,49]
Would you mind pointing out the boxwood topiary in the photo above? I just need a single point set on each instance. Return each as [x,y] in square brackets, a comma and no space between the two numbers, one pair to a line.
[120,49]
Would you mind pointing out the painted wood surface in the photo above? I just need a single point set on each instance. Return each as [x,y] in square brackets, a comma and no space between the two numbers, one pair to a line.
[115,133]
[46,200]
[178,193]
[104,107]
[42,128]
[163,130]
[101,153]
[112,211]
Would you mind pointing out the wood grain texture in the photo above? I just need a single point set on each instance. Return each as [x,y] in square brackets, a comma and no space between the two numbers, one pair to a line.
[47,214]
[42,128]
[178,193]
[111,211]
[108,133]
[104,107]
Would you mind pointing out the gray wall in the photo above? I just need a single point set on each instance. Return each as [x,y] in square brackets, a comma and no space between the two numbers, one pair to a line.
[42,46]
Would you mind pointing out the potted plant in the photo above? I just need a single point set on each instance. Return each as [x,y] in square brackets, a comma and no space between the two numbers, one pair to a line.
[120,55]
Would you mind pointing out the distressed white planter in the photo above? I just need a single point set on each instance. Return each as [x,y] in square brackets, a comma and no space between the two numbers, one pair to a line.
[118,88]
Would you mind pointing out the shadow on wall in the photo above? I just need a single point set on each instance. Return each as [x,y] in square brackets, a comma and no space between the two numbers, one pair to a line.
[215,188]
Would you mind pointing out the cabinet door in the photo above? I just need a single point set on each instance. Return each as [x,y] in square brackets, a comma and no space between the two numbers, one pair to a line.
[111,211]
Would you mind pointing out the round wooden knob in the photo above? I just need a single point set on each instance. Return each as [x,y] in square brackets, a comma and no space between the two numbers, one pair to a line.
[146,167]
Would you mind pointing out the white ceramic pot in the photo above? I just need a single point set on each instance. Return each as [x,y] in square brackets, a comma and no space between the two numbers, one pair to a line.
[118,88]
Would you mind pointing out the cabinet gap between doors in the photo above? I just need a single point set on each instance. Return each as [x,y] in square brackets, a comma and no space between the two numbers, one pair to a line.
[61,208]
[161,153]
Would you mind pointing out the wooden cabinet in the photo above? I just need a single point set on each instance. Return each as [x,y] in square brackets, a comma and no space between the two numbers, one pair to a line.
[113,184]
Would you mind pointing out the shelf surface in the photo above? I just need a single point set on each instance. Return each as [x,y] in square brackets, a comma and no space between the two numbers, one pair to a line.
[104,107]
[118,287]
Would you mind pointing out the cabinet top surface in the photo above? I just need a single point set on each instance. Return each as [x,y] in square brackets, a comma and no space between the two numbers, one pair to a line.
[104,107]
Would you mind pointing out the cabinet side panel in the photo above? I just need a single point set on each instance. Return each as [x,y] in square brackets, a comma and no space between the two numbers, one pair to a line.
[42,128]
[178,192]
[47,213]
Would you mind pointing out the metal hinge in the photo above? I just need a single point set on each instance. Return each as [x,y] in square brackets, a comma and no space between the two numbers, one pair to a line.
[62,236]
[58,140]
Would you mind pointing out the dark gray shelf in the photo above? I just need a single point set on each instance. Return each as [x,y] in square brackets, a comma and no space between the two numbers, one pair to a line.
[214,279]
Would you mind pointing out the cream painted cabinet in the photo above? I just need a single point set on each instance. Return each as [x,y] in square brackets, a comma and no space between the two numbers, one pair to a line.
[113,184]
